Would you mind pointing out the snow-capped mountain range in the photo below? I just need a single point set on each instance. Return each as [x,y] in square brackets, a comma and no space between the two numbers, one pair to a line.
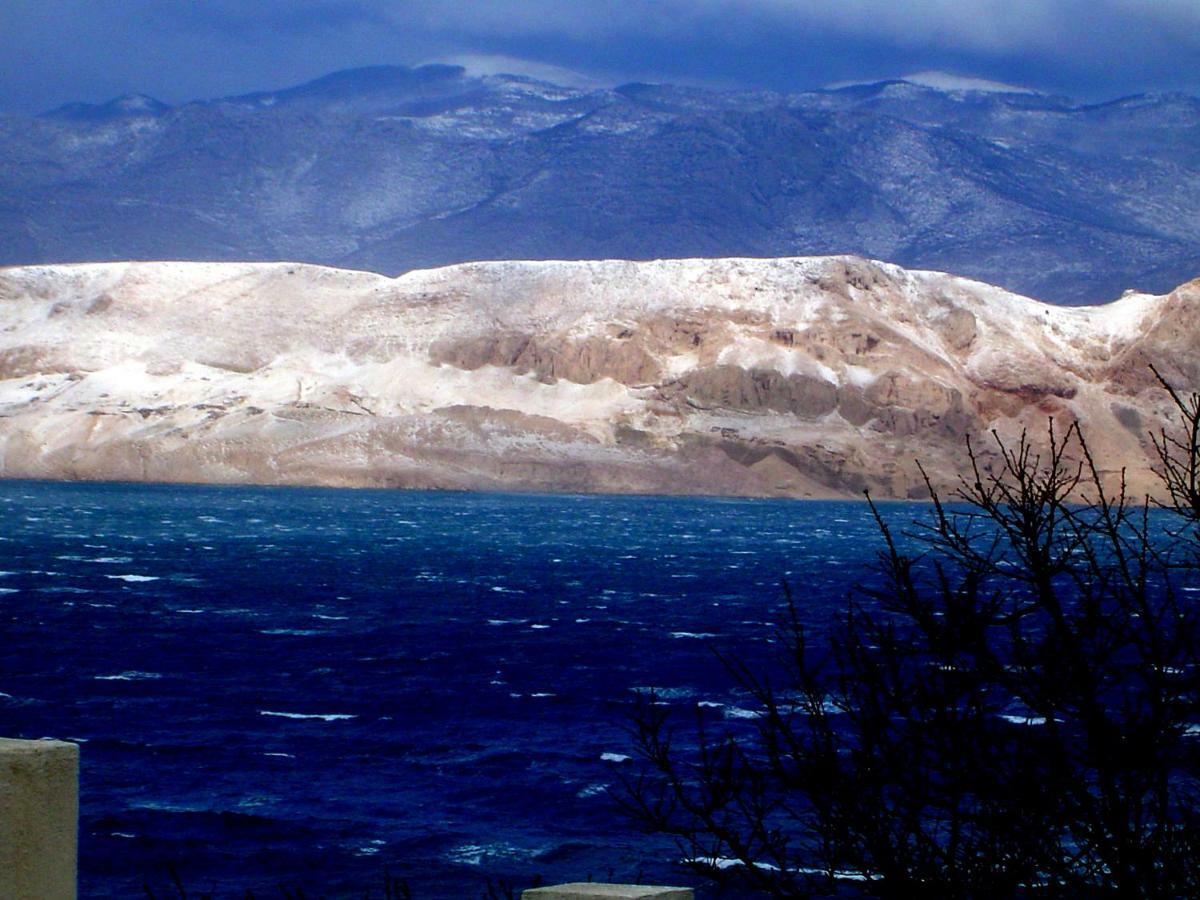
[391,168]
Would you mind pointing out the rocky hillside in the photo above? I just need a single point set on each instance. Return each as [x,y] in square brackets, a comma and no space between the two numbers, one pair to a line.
[804,377]
[391,169]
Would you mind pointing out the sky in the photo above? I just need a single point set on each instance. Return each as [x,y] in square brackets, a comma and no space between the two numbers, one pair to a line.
[57,51]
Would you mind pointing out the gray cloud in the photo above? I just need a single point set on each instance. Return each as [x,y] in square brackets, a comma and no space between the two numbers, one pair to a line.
[981,25]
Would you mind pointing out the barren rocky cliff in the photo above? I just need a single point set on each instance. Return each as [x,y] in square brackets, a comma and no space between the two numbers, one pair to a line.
[806,377]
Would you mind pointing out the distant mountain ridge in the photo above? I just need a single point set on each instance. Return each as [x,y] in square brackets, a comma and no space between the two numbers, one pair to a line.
[390,168]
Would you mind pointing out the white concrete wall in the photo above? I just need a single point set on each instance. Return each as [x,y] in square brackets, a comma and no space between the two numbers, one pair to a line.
[39,819]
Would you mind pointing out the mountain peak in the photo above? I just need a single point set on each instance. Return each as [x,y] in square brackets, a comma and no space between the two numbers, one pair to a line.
[377,77]
[947,81]
[939,81]
[127,106]
[364,82]
[493,65]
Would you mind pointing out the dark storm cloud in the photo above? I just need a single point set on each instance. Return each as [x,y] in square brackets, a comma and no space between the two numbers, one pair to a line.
[52,51]
[237,17]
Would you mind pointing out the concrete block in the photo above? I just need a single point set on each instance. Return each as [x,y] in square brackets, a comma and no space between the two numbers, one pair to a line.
[589,891]
[39,819]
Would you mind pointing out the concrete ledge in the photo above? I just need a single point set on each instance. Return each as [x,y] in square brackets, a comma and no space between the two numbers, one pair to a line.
[39,819]
[589,891]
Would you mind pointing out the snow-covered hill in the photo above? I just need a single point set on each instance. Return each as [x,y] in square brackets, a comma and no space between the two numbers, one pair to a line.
[797,377]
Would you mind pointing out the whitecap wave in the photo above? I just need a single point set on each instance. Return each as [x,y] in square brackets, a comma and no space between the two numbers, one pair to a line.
[665,693]
[133,579]
[1023,720]
[129,676]
[324,717]
[725,862]
[475,854]
[736,712]
[298,632]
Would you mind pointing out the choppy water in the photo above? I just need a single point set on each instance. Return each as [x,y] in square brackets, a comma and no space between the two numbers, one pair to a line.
[312,686]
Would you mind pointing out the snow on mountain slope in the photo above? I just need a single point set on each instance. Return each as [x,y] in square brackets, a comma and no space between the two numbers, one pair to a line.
[797,377]
[939,81]
[947,81]
[391,169]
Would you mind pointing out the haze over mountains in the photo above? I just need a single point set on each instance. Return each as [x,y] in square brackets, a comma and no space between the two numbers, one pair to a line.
[792,377]
[391,169]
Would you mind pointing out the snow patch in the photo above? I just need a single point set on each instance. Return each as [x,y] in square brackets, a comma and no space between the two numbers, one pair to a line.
[947,81]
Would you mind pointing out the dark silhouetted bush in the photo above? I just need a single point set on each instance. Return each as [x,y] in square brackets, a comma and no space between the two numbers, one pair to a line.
[1011,710]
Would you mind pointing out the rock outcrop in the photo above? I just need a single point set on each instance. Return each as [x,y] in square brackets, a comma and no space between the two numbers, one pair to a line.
[808,377]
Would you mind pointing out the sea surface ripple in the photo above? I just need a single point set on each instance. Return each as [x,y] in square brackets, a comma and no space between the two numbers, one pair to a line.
[308,686]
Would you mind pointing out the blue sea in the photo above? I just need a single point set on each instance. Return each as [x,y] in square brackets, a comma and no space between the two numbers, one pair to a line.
[311,688]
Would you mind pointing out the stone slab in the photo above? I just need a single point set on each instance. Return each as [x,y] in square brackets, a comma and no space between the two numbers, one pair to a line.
[39,819]
[590,891]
